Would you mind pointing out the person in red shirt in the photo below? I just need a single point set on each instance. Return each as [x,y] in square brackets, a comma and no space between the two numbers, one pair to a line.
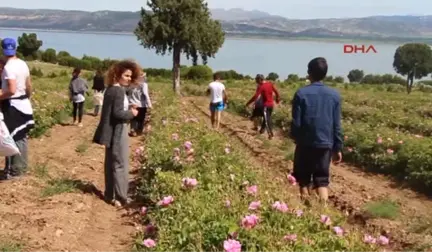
[265,91]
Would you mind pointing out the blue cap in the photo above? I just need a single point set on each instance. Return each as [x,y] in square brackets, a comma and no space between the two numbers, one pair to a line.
[9,46]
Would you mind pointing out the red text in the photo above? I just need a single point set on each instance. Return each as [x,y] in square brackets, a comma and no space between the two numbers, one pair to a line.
[359,49]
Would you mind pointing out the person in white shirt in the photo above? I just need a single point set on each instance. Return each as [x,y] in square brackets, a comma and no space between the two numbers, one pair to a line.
[16,107]
[218,99]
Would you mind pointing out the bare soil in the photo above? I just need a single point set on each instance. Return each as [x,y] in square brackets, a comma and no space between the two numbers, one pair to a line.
[70,215]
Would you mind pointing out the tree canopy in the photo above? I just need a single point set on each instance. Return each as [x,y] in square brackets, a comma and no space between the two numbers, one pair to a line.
[355,75]
[413,60]
[180,27]
[28,44]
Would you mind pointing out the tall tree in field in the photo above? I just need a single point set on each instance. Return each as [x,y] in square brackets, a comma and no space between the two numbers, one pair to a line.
[413,60]
[180,26]
[28,44]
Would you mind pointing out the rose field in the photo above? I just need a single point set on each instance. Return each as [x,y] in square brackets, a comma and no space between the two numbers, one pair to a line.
[196,189]
[386,130]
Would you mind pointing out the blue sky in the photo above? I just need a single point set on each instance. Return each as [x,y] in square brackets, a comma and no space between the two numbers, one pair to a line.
[301,9]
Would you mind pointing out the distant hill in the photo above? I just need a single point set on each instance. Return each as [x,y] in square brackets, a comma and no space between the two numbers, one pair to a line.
[234,21]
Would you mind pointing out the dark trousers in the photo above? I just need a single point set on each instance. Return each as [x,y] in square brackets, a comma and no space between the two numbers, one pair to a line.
[312,166]
[267,121]
[137,123]
[78,108]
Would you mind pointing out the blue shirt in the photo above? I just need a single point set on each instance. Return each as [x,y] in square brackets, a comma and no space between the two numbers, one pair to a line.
[316,117]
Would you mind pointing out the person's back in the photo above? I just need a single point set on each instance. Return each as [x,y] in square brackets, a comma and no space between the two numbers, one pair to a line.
[319,105]
[19,70]
[267,90]
[316,130]
[216,91]
[98,83]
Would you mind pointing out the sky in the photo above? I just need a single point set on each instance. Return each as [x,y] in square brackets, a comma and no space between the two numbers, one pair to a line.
[295,9]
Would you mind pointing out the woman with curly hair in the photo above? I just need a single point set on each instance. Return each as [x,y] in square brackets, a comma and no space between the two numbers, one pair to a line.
[112,131]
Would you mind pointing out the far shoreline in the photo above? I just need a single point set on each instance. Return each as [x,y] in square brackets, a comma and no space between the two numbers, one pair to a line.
[240,36]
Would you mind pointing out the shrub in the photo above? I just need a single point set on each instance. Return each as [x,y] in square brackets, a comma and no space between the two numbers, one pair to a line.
[49,56]
[355,75]
[37,72]
[200,72]
[272,76]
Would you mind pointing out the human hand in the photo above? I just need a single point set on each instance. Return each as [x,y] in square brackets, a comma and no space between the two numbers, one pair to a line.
[337,157]
[134,111]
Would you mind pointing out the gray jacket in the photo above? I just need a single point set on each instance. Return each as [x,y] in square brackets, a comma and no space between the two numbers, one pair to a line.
[139,95]
[109,130]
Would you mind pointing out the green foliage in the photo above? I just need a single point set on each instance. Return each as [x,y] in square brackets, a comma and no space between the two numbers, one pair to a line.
[355,75]
[339,79]
[231,75]
[63,54]
[272,76]
[199,72]
[28,45]
[413,55]
[180,27]
[49,55]
[383,79]
[292,78]
[37,72]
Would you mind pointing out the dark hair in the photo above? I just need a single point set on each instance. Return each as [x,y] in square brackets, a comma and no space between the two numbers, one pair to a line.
[77,71]
[259,77]
[317,69]
[216,76]
[99,72]
[117,69]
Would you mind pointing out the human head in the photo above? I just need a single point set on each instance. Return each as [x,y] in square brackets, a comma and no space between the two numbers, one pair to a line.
[216,77]
[317,69]
[124,72]
[9,47]
[76,72]
[99,72]
[259,78]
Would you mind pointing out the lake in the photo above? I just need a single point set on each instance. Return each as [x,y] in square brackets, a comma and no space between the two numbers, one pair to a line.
[247,56]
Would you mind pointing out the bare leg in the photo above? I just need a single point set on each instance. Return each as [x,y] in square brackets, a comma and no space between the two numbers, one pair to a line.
[323,194]
[212,118]
[218,118]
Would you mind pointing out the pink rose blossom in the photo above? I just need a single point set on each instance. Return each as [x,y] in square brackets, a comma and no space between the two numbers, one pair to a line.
[166,201]
[379,140]
[149,243]
[291,237]
[189,182]
[325,220]
[143,211]
[253,190]
[280,206]
[382,240]
[346,137]
[227,150]
[390,151]
[299,213]
[369,239]
[187,145]
[254,205]
[176,152]
[250,221]
[401,142]
[232,246]
[291,179]
[338,231]
[349,149]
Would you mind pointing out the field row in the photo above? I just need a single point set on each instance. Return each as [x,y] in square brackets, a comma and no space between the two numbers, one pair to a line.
[384,142]
[203,194]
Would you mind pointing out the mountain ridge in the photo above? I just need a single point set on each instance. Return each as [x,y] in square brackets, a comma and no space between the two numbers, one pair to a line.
[234,22]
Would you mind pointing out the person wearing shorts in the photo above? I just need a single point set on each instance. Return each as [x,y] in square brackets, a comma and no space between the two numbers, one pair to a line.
[218,100]
[316,130]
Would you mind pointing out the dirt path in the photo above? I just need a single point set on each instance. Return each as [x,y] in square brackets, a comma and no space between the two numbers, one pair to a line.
[57,206]
[350,187]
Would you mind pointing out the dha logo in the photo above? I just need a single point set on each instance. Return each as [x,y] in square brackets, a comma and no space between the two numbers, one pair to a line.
[359,49]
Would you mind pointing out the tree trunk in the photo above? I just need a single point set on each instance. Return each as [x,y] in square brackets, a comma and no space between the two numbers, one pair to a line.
[176,70]
[410,82]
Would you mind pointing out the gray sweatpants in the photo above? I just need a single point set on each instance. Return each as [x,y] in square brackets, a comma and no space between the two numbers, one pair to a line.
[117,169]
[17,165]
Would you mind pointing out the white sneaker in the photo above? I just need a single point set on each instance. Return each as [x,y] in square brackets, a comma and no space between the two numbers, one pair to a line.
[80,124]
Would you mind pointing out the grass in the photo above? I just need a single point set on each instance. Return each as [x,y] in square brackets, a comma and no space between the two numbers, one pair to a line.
[82,147]
[383,209]
[59,186]
[10,246]
[198,219]
[41,171]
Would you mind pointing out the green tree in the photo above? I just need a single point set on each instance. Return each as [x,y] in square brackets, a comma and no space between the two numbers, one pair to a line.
[49,55]
[413,60]
[293,78]
[180,27]
[28,44]
[272,76]
[355,75]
